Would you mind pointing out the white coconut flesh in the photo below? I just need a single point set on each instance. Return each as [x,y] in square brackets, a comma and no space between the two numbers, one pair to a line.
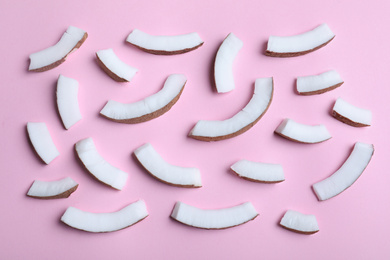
[302,133]
[98,166]
[348,173]
[302,42]
[355,114]
[67,101]
[299,222]
[223,67]
[318,83]
[59,51]
[166,172]
[213,218]
[164,43]
[115,65]
[119,111]
[253,111]
[259,172]
[42,142]
[105,222]
[47,189]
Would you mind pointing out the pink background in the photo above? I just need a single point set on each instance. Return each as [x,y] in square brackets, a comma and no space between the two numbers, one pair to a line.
[354,225]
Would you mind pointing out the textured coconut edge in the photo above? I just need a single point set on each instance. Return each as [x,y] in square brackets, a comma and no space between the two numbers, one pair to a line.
[162,52]
[320,91]
[108,71]
[62,195]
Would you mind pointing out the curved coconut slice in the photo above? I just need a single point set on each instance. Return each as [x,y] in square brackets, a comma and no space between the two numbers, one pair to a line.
[348,173]
[148,108]
[164,45]
[291,46]
[114,67]
[165,172]
[105,222]
[300,223]
[242,121]
[318,84]
[223,66]
[213,218]
[67,102]
[98,167]
[258,172]
[41,140]
[53,56]
[302,133]
[52,189]
[350,114]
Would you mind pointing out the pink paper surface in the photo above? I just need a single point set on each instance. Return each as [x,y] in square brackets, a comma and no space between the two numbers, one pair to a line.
[353,225]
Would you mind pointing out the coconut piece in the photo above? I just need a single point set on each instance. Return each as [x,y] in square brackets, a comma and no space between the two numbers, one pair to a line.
[164,45]
[52,189]
[348,173]
[98,166]
[258,172]
[301,133]
[350,114]
[105,222]
[53,56]
[296,45]
[223,66]
[300,223]
[213,218]
[42,142]
[318,84]
[67,101]
[114,67]
[170,174]
[240,122]
[148,108]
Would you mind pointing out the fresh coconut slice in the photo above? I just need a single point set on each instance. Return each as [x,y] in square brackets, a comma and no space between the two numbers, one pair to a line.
[350,114]
[223,66]
[165,172]
[296,45]
[114,67]
[105,222]
[348,173]
[53,56]
[258,172]
[67,101]
[52,189]
[240,122]
[164,45]
[318,84]
[98,167]
[41,140]
[213,218]
[301,133]
[300,223]
[148,108]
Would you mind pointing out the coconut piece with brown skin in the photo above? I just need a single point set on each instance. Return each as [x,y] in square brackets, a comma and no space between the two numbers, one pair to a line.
[299,222]
[52,189]
[350,114]
[318,84]
[258,172]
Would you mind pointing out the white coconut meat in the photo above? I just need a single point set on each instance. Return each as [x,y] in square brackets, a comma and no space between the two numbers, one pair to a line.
[302,133]
[348,173]
[213,218]
[148,108]
[52,189]
[98,166]
[42,142]
[318,84]
[259,172]
[290,46]
[299,222]
[53,56]
[114,67]
[205,130]
[105,222]
[350,114]
[164,44]
[67,101]
[223,66]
